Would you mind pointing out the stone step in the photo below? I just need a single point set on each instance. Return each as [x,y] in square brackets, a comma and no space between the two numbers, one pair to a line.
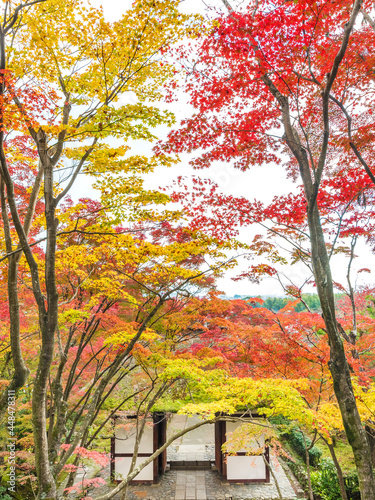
[190,465]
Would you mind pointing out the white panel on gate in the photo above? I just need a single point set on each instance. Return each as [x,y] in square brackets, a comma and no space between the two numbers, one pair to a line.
[125,438]
[122,466]
[252,443]
[243,468]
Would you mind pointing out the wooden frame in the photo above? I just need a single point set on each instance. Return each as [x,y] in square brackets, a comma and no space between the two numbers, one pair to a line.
[221,458]
[159,438]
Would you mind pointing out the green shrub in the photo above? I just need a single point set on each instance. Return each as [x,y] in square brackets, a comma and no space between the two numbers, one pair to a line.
[352,485]
[325,482]
[279,420]
[3,493]
[297,441]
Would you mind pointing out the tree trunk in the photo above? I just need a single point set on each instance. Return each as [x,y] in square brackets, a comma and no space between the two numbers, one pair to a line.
[308,469]
[269,467]
[48,325]
[338,363]
[371,439]
[339,471]
[21,372]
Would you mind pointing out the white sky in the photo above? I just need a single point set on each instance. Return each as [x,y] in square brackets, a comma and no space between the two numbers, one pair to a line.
[262,183]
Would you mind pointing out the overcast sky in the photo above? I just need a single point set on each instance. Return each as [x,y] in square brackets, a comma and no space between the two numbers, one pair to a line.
[262,183]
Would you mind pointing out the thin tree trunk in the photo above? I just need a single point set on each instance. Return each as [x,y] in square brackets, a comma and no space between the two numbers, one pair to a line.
[269,467]
[307,456]
[21,372]
[339,471]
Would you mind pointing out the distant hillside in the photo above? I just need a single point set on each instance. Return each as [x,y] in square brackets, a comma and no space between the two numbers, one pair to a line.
[277,302]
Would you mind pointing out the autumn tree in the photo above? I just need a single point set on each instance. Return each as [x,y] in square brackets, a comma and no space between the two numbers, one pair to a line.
[117,290]
[70,80]
[277,79]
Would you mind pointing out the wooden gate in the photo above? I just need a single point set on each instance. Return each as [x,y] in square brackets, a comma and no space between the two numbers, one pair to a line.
[123,442]
[241,467]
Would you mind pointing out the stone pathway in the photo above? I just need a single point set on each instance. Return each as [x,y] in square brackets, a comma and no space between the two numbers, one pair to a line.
[205,485]
[190,485]
[218,489]
[208,485]
[205,452]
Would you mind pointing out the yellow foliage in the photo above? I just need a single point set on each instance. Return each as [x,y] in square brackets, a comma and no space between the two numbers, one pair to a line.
[127,334]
